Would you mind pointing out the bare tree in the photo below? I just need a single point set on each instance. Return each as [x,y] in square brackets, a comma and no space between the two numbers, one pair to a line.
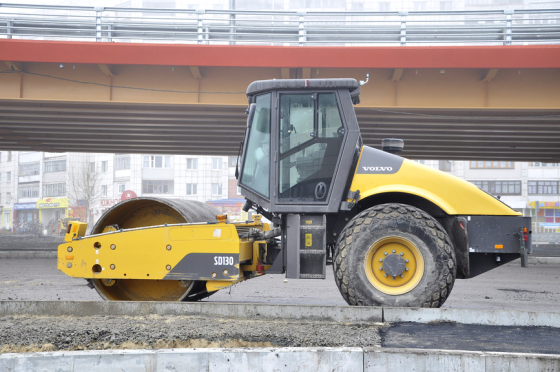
[83,184]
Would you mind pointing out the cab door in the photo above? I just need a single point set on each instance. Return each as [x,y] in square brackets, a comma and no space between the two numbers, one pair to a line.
[311,135]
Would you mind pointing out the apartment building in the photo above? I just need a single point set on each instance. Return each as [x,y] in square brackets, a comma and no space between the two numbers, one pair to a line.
[8,187]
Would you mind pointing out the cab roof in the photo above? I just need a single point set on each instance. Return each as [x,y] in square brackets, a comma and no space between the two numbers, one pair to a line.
[260,86]
[290,84]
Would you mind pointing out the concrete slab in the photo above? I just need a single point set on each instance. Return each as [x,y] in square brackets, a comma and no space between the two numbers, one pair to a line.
[464,316]
[418,360]
[83,308]
[195,360]
[280,359]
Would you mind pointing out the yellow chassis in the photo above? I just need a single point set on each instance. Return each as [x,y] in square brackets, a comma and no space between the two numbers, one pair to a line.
[211,252]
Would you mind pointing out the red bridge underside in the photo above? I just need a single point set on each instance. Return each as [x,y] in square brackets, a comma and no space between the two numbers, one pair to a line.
[525,56]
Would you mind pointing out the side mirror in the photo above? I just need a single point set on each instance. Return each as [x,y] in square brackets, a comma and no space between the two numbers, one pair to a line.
[392,145]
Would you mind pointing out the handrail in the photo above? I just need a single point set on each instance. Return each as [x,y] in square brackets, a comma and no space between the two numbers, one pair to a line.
[113,24]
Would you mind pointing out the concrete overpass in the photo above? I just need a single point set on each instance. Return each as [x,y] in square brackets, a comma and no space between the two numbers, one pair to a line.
[446,102]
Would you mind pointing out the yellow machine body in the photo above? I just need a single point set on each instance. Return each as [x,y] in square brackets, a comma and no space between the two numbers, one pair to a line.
[211,252]
[452,194]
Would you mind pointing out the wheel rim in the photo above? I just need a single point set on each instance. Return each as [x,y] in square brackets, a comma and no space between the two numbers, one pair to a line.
[386,264]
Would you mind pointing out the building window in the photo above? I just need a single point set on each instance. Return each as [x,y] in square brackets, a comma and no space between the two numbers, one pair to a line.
[0,177]
[104,166]
[30,169]
[537,164]
[385,6]
[156,161]
[122,162]
[192,163]
[9,177]
[542,187]
[122,188]
[192,189]
[216,189]
[92,167]
[103,190]
[499,187]
[9,156]
[232,161]
[8,198]
[55,189]
[445,165]
[157,187]
[54,166]
[492,164]
[28,191]
[357,7]
[0,156]
[419,5]
[216,163]
[445,5]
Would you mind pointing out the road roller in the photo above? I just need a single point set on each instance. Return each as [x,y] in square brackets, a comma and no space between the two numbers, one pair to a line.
[396,232]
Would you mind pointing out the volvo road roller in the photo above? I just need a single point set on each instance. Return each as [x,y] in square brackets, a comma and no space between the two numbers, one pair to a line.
[396,232]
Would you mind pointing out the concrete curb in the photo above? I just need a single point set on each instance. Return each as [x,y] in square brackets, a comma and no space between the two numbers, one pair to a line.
[213,309]
[464,316]
[27,254]
[423,360]
[298,312]
[279,359]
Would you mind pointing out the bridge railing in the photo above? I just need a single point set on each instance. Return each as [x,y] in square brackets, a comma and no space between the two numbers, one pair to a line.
[110,24]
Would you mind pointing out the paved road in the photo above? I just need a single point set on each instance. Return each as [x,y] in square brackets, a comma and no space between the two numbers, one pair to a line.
[508,287]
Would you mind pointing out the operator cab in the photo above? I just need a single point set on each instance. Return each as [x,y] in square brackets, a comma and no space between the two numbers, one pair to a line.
[300,143]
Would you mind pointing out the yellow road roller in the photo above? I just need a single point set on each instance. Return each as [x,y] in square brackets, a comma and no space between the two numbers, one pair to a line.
[397,233]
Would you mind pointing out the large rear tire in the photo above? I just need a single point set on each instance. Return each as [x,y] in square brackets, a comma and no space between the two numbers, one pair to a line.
[145,212]
[394,255]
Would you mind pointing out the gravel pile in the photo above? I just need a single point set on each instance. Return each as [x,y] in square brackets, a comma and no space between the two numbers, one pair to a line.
[33,333]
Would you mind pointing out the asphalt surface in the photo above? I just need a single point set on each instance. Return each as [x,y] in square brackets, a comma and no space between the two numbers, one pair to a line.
[451,336]
[509,287]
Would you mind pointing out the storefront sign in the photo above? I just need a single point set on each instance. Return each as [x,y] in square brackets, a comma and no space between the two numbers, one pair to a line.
[532,204]
[52,203]
[19,206]
[109,202]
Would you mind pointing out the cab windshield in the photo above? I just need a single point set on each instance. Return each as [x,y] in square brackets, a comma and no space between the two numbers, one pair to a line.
[256,167]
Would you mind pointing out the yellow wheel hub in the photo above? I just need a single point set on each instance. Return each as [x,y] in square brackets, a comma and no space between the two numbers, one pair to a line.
[394,265]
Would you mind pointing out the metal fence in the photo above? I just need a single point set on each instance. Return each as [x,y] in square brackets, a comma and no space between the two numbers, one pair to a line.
[110,24]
